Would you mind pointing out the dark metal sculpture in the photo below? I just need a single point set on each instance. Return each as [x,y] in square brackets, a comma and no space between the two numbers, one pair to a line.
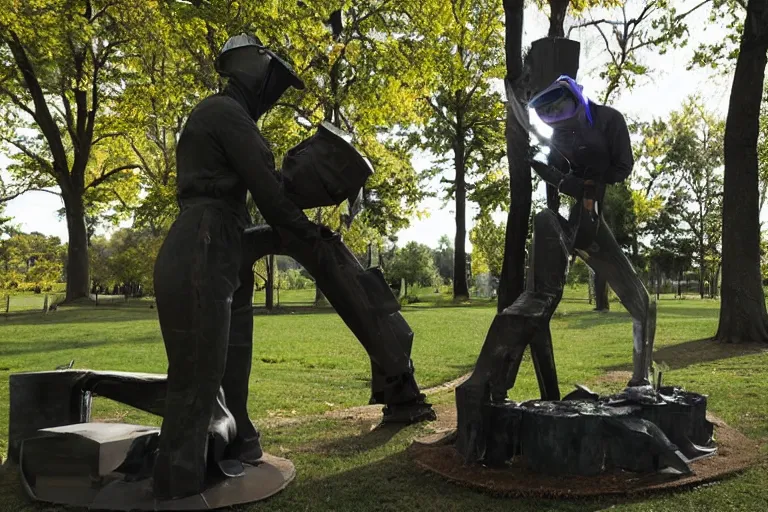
[66,459]
[208,329]
[203,289]
[361,297]
[590,148]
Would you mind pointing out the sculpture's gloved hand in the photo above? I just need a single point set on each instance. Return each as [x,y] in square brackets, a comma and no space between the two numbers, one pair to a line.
[572,185]
[594,190]
[327,234]
[546,172]
[317,234]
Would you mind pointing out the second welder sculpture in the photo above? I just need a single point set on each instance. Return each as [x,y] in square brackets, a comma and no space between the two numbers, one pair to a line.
[590,148]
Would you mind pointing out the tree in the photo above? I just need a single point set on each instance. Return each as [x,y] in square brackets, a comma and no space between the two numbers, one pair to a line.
[653,25]
[126,258]
[464,115]
[414,264]
[31,261]
[63,64]
[443,256]
[512,282]
[487,239]
[695,154]
[743,315]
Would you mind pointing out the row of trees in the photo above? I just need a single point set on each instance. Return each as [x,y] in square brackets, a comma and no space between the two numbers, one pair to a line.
[93,95]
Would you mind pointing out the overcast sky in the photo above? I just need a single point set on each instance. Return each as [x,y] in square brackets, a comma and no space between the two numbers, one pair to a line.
[663,92]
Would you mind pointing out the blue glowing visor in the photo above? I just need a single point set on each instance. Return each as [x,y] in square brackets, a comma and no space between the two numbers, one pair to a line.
[560,101]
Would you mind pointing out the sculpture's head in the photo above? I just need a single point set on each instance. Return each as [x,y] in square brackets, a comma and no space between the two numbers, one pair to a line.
[255,69]
[562,103]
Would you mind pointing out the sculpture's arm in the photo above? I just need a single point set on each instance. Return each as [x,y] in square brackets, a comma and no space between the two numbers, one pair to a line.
[620,146]
[568,184]
[247,153]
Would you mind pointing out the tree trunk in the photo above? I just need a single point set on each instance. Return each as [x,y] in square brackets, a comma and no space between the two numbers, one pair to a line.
[270,285]
[77,247]
[702,276]
[460,285]
[716,283]
[743,316]
[601,293]
[658,283]
[557,10]
[512,282]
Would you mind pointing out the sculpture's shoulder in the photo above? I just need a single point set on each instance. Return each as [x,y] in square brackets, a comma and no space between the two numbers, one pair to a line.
[217,107]
[608,116]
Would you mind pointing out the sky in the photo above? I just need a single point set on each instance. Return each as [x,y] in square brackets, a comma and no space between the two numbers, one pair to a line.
[670,83]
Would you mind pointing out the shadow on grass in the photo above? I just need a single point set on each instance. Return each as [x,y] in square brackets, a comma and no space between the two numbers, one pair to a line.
[396,483]
[15,349]
[694,352]
[372,436]
[81,314]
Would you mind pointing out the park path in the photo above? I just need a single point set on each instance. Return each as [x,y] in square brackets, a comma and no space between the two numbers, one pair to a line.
[361,412]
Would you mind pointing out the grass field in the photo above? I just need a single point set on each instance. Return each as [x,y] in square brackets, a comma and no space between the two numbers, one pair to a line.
[307,363]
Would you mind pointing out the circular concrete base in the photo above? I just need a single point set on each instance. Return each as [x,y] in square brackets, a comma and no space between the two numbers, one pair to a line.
[271,476]
[436,453]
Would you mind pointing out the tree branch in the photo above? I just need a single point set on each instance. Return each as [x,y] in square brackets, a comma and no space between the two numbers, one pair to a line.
[105,176]
[106,136]
[42,114]
[440,113]
[31,154]
[29,188]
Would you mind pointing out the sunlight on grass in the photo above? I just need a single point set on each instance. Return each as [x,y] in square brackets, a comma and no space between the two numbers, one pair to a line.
[307,362]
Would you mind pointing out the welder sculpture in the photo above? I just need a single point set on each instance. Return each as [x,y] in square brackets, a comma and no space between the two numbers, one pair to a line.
[50,410]
[646,428]
[208,453]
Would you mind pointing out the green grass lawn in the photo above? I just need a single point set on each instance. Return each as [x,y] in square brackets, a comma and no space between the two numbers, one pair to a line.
[306,362]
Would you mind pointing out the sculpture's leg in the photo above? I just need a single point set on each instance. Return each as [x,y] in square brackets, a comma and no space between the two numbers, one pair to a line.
[495,371]
[367,306]
[606,258]
[246,446]
[525,322]
[364,301]
[195,277]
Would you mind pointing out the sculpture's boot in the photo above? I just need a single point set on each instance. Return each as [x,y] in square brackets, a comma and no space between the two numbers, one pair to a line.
[246,446]
[222,431]
[495,372]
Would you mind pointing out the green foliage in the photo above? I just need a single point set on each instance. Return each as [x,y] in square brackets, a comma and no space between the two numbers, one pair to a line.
[128,256]
[723,53]
[619,212]
[293,279]
[633,28]
[578,273]
[487,239]
[31,261]
[415,264]
[680,207]
[443,257]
